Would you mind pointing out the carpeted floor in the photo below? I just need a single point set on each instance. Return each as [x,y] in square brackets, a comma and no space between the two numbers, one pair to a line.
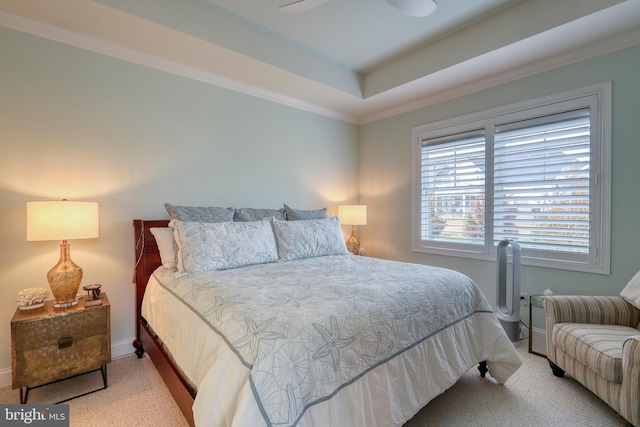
[531,397]
[136,396]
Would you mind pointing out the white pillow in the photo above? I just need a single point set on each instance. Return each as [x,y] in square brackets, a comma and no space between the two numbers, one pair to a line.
[631,292]
[207,246]
[166,245]
[309,238]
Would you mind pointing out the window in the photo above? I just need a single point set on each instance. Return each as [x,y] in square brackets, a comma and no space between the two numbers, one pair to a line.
[536,172]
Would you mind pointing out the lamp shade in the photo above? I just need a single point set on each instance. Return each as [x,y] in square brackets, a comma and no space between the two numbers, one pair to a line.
[62,220]
[352,214]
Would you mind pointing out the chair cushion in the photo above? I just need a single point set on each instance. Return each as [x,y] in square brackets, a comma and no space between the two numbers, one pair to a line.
[597,346]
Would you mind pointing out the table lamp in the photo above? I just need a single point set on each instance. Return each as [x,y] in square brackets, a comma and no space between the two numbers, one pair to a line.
[353,215]
[63,220]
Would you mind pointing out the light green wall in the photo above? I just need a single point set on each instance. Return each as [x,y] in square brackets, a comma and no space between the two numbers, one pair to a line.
[386,170]
[82,126]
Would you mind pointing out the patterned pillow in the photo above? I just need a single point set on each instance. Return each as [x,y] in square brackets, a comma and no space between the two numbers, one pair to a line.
[199,214]
[311,238]
[206,246]
[297,214]
[251,214]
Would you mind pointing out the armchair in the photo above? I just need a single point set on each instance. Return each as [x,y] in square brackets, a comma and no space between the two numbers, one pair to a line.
[596,340]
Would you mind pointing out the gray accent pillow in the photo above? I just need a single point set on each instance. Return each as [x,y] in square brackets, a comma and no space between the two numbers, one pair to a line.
[199,214]
[298,214]
[251,214]
[206,246]
[310,238]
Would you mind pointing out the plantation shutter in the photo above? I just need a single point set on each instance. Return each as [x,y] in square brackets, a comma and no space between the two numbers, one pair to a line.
[452,188]
[541,182]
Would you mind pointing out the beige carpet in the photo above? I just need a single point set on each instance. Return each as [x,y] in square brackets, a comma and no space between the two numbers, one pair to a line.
[136,396]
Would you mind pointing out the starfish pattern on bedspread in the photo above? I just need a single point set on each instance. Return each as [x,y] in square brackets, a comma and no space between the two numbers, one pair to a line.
[333,342]
[256,333]
[308,328]
[382,351]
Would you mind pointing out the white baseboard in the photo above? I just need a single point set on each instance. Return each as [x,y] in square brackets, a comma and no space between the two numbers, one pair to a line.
[122,348]
[5,378]
[538,341]
[118,349]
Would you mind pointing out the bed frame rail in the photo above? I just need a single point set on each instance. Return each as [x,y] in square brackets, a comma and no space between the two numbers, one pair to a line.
[147,259]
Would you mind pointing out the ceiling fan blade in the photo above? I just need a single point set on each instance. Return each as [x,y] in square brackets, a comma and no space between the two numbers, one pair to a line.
[417,8]
[300,6]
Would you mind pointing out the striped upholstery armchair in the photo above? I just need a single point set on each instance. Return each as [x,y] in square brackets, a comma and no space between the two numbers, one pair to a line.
[596,340]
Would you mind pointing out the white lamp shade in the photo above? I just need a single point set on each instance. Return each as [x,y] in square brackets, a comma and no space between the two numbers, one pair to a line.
[352,214]
[62,220]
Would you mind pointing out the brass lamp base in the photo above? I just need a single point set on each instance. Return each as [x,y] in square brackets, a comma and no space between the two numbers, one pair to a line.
[64,279]
[353,244]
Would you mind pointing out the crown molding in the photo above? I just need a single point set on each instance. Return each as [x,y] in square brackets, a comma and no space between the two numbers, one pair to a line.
[433,96]
[583,53]
[50,32]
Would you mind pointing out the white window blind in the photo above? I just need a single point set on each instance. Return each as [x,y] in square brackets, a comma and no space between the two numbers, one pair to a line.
[541,182]
[537,172]
[453,187]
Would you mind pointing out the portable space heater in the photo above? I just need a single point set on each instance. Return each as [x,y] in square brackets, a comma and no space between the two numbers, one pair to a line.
[509,318]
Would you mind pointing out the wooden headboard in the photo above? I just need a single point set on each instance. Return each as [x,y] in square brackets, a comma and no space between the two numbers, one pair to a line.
[147,258]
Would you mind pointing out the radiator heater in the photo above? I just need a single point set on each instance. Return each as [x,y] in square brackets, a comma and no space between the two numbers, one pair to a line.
[509,317]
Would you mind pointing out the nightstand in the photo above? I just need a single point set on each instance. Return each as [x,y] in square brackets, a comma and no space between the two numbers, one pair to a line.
[51,344]
[534,301]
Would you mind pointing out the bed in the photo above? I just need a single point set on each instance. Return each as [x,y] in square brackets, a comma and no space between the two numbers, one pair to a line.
[318,339]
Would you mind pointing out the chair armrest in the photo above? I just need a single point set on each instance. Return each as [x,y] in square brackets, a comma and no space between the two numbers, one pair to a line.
[604,310]
[630,392]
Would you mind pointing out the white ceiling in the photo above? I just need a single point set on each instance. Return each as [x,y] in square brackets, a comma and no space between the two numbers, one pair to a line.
[355,60]
[357,34]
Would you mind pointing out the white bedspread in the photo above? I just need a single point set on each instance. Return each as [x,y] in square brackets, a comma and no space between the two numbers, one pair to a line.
[329,341]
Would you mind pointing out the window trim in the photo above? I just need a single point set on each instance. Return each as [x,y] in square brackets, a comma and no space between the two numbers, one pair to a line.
[600,165]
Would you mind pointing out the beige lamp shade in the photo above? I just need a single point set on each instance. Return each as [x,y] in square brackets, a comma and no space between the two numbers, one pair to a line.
[62,220]
[352,214]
